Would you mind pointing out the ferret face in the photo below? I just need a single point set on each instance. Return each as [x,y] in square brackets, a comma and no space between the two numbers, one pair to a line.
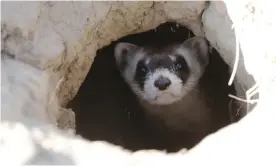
[164,76]
[161,78]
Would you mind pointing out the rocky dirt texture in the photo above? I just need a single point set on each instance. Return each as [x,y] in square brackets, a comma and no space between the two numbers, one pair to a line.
[63,37]
[60,39]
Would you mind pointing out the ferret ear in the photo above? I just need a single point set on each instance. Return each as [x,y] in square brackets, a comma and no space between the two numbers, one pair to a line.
[199,47]
[122,52]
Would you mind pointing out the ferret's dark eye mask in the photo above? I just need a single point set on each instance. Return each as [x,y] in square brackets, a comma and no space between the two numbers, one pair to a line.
[197,46]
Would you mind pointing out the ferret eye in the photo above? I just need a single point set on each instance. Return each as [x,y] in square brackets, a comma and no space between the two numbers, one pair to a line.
[180,63]
[141,67]
[144,69]
[178,66]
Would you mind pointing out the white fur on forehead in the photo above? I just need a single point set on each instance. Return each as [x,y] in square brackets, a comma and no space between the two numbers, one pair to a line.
[173,58]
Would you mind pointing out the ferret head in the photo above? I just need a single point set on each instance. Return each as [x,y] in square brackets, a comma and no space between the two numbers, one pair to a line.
[163,76]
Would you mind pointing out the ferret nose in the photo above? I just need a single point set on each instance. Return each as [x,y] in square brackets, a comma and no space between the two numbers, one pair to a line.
[162,83]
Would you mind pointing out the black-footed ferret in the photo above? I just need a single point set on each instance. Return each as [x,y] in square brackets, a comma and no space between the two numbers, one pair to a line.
[165,82]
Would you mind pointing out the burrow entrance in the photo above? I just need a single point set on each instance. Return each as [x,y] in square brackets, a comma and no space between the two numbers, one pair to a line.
[106,109]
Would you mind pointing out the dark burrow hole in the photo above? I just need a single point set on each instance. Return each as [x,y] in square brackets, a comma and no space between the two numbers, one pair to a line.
[106,109]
